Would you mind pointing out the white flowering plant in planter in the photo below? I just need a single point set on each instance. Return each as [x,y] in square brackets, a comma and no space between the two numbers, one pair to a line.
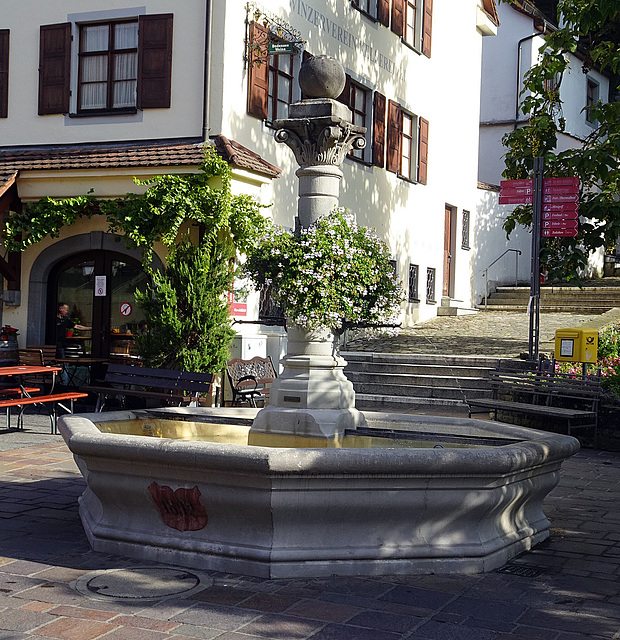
[334,274]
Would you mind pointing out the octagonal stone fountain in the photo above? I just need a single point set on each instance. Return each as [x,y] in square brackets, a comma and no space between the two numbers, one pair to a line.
[309,486]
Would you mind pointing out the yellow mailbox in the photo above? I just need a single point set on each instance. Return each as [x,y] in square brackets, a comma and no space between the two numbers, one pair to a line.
[576,345]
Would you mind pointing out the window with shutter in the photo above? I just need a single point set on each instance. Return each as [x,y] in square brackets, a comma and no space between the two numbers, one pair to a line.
[4,73]
[378,138]
[427,28]
[357,98]
[398,17]
[108,66]
[54,68]
[383,12]
[393,136]
[423,151]
[258,79]
[155,61]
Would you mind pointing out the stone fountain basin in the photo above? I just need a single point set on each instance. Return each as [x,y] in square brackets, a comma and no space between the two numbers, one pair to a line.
[281,512]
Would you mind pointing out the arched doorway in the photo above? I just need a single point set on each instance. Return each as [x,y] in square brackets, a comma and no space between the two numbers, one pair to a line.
[99,286]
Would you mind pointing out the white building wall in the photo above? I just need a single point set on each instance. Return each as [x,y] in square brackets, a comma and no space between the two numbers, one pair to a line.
[408,216]
[25,127]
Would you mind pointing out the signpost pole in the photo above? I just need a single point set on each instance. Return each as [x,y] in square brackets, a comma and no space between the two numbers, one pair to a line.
[534,306]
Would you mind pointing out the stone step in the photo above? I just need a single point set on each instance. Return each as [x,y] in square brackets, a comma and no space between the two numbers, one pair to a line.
[548,308]
[454,392]
[564,297]
[405,381]
[423,359]
[413,369]
[402,404]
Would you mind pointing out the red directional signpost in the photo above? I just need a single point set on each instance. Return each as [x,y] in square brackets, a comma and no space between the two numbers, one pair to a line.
[555,215]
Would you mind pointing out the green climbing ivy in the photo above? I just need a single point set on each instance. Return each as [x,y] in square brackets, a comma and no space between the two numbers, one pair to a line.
[204,198]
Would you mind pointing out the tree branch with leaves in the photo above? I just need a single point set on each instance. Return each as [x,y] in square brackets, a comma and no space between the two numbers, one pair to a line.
[590,29]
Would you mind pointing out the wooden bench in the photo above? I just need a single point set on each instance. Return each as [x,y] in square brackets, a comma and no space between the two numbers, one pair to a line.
[170,386]
[54,400]
[549,395]
[249,379]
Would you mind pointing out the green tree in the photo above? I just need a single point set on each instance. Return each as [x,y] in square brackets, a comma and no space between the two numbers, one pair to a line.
[592,29]
[189,327]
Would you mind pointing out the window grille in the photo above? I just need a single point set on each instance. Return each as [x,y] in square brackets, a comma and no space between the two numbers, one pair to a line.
[430,285]
[465,241]
[269,311]
[414,295]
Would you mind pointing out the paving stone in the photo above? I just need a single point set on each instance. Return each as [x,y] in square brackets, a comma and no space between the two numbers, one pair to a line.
[192,631]
[268,602]
[572,622]
[485,609]
[278,626]
[434,630]
[419,598]
[72,629]
[384,621]
[320,610]
[215,616]
[344,632]
[21,620]
[221,595]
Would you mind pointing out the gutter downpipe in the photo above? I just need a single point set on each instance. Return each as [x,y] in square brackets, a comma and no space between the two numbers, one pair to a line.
[206,109]
[519,44]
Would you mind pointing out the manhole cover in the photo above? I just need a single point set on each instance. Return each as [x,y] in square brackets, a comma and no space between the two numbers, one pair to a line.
[141,583]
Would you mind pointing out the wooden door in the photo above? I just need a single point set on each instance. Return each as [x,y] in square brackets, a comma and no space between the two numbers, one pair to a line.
[448,243]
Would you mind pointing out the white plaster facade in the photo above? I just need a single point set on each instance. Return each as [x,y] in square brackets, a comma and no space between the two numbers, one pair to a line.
[505,61]
[209,88]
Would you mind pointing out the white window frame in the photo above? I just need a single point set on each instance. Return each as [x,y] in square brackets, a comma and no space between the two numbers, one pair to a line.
[412,23]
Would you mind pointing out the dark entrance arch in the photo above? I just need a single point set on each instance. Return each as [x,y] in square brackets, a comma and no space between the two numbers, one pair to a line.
[99,286]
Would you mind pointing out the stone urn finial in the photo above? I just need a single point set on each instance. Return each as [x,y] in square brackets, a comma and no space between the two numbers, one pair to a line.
[322,77]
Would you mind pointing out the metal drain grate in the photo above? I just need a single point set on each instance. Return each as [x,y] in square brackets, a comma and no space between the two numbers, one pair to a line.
[141,583]
[521,570]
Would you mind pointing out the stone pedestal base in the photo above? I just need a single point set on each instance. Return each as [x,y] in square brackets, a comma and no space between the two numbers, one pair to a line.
[295,427]
[312,398]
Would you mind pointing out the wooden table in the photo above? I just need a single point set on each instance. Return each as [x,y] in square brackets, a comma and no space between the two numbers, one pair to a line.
[19,371]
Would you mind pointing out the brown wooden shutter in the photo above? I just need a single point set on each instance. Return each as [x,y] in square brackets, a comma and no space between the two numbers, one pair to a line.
[258,78]
[54,68]
[378,134]
[383,12]
[422,150]
[398,17]
[155,61]
[394,128]
[4,73]
[427,28]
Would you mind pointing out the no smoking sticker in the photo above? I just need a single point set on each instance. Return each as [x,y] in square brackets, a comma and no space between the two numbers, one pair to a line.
[126,309]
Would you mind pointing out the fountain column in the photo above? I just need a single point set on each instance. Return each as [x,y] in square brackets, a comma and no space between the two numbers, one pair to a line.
[313,398]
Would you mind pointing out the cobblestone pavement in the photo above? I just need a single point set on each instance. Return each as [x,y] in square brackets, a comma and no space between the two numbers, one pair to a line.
[493,333]
[572,594]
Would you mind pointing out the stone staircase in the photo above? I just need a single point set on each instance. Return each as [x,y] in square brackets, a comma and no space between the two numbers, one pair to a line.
[592,298]
[401,382]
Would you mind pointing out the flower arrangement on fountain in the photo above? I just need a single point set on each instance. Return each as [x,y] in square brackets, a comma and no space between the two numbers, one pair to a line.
[334,274]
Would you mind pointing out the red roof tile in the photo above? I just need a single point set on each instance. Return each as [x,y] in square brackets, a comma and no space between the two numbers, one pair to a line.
[148,154]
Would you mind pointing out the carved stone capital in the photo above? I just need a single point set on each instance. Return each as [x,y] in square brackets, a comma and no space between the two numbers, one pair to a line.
[320,141]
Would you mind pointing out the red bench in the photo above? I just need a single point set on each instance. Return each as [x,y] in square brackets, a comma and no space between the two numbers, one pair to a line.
[54,400]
